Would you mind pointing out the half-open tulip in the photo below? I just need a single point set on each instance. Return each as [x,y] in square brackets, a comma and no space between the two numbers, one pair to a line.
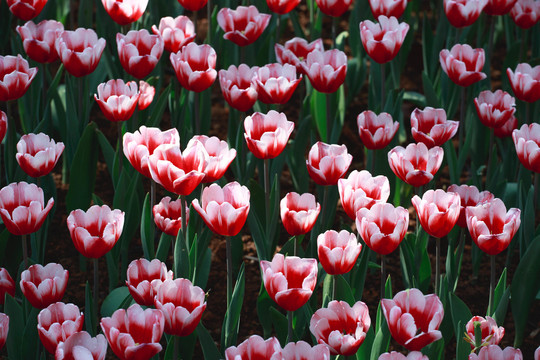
[44,285]
[15,77]
[267,134]
[26,9]
[125,12]
[38,40]
[376,131]
[383,40]
[7,285]
[238,86]
[192,5]
[57,322]
[499,7]
[195,66]
[282,6]
[463,64]
[4,329]
[139,52]
[326,164]
[525,82]
[491,333]
[337,252]
[117,100]
[525,13]
[82,345]
[37,154]
[144,279]
[438,211]
[430,126]
[175,32]
[146,94]
[301,350]
[388,8]
[276,83]
[254,347]
[168,215]
[495,109]
[219,156]
[527,142]
[415,164]
[334,8]
[244,25]
[299,212]
[461,13]
[394,355]
[79,50]
[326,70]
[494,352]
[469,196]
[362,190]
[296,50]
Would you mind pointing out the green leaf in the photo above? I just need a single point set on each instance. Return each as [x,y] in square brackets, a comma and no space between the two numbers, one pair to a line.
[209,348]
[280,325]
[31,342]
[382,338]
[318,112]
[90,317]
[107,150]
[229,331]
[202,269]
[181,258]
[460,313]
[159,107]
[119,298]
[500,289]
[163,247]
[264,302]
[16,328]
[147,229]
[463,348]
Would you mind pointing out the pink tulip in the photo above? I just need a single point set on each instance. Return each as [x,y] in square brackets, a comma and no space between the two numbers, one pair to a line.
[176,33]
[537,353]
[193,5]
[299,212]
[26,9]
[361,190]
[394,355]
[326,70]
[7,285]
[125,12]
[82,345]
[499,7]
[382,41]
[334,8]
[495,108]
[15,77]
[376,131]
[139,52]
[296,50]
[254,348]
[431,127]
[146,94]
[4,329]
[301,350]
[168,216]
[3,125]
[79,50]
[37,154]
[276,83]
[341,327]
[117,100]
[289,280]
[326,164]
[463,64]
[527,141]
[195,66]
[244,25]
[238,86]
[438,211]
[469,196]
[416,165]
[224,210]
[57,322]
[494,352]
[525,13]
[491,334]
[267,134]
[282,6]
[337,252]
[525,82]
[219,156]
[144,279]
[463,13]
[44,285]
[507,129]
[388,8]
[38,40]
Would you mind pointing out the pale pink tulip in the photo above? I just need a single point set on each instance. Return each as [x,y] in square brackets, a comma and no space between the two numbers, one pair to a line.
[139,52]
[117,100]
[15,77]
[238,86]
[276,83]
[491,333]
[176,33]
[44,285]
[527,141]
[195,66]
[383,40]
[79,50]
[219,156]
[146,94]
[326,70]
[82,345]
[296,50]
[469,196]
[254,347]
[494,352]
[301,350]
[244,25]
[168,216]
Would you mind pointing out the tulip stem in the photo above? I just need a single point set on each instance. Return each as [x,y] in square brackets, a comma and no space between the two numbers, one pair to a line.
[184,222]
[372,165]
[96,286]
[491,285]
[528,113]
[490,41]
[25,251]
[437,264]
[290,326]
[196,113]
[267,196]
[311,18]
[383,274]
[323,210]
[328,116]
[119,146]
[209,18]
[278,24]
[294,245]
[490,151]
[461,140]
[229,271]
[383,84]
[333,286]
[176,340]
[536,184]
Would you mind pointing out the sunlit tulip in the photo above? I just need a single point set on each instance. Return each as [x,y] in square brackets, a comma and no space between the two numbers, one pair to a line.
[494,352]
[146,94]
[494,108]
[326,164]
[416,164]
[326,70]
[299,212]
[525,82]
[144,278]
[15,77]
[26,9]
[117,100]
[82,345]
[3,125]
[168,216]
[244,25]
[301,350]
[219,156]
[507,129]
[296,50]
[289,280]
[192,5]
[491,333]
[394,355]
[125,12]
[57,322]
[499,7]
[195,66]
[267,134]
[282,6]
[525,13]
[334,8]
[438,211]
[337,252]
[44,285]
[38,40]
[4,329]
[469,196]
[139,52]
[7,285]
[430,126]
[176,33]
[276,83]
[238,86]
[461,13]
[361,190]
[79,50]
[527,141]
[254,347]
[376,131]
[463,64]
[388,8]
[383,40]
[37,154]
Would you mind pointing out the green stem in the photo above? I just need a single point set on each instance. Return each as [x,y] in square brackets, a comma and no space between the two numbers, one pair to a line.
[437,264]
[197,117]
[383,85]
[184,222]
[490,151]
[323,210]
[328,116]
[267,195]
[372,166]
[229,271]
[334,31]
[294,245]
[96,286]
[383,274]
[119,148]
[492,284]
[25,251]
[290,326]
[333,286]
[462,117]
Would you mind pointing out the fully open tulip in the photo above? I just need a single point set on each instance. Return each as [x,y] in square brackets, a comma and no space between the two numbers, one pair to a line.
[527,141]
[282,6]
[139,52]
[224,210]
[37,154]
[416,164]
[192,5]
[276,83]
[463,64]
[492,334]
[15,77]
[146,94]
[491,227]
[334,8]
[82,345]
[337,252]
[219,156]
[79,50]
[289,280]
[7,285]
[254,347]
[461,13]
[168,217]
[95,232]
[376,131]
[296,50]
[4,329]
[57,322]
[299,212]
[182,305]
[267,134]
[430,126]
[494,352]
[341,327]
[195,66]
[144,278]
[382,41]
[44,285]
[23,208]
[238,86]
[382,227]
[413,319]
[301,350]
[326,164]
[26,9]
[361,190]
[125,12]
[38,40]
[134,334]
[495,108]
[117,100]
[438,211]
[525,13]
[244,25]
[3,125]
[326,70]
[394,355]
[525,82]
[388,8]
[469,196]
[499,7]
[175,32]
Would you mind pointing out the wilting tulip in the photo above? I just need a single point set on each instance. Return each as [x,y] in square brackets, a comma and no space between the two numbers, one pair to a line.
[195,66]
[361,190]
[95,232]
[388,8]
[4,329]
[79,50]
[238,86]
[382,41]
[44,285]
[376,131]
[525,82]
[525,13]
[276,83]
[499,7]
[299,212]
[125,12]
[15,77]
[416,164]
[491,227]
[23,208]
[176,33]
[326,164]
[296,50]
[494,352]
[282,6]
[182,305]
[337,252]
[139,52]
[334,8]
[527,141]
[26,9]
[491,334]
[3,125]
[413,319]
[192,5]
[495,108]
[438,212]
[37,154]
[224,210]
[430,126]
[469,196]
[146,94]
[38,40]
[507,129]
[341,327]
[394,355]
[168,217]
[244,25]
[82,345]
[461,13]
[117,100]
[219,156]
[57,322]
[326,70]
[382,227]
[267,134]
[254,347]
[289,280]
[7,285]
[144,279]
[463,64]
[134,334]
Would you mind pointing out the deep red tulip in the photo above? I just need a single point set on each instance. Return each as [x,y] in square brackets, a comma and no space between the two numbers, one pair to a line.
[15,77]
[276,83]
[296,50]
[499,7]
[44,285]
[219,156]
[37,154]
[326,164]
[469,196]
[176,33]
[134,334]
[326,70]
[376,131]
[139,52]
[3,125]
[238,86]
[82,345]
[282,6]
[117,100]
[4,329]
[525,82]
[416,164]
[341,327]
[413,319]
[267,134]
[494,352]
[254,347]
[146,94]
[23,208]
[494,108]
[461,13]
[438,212]
[144,279]
[168,216]
[195,66]
[382,41]
[38,40]
[394,355]
[193,5]
[301,350]
[7,285]
[334,8]
[57,322]
[244,25]
[492,334]
[182,305]
[525,13]
[507,129]
[299,212]
[430,126]
[95,232]
[337,252]
[388,8]
[79,50]
[382,227]
[463,64]
[26,9]
[361,190]
[527,142]
[125,12]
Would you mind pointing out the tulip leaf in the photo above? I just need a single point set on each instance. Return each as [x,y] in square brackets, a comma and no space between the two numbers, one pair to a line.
[382,337]
[231,322]
[264,302]
[432,99]
[181,257]
[159,107]
[201,269]
[364,352]
[16,328]
[107,151]
[257,232]
[500,289]
[147,230]
[359,272]
[280,325]
[502,307]
[119,298]
[318,112]
[90,317]
[460,313]
[163,247]
[31,342]
[209,349]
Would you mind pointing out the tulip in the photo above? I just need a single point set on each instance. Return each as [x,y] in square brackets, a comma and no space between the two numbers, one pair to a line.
[168,217]
[38,154]
[301,350]
[525,13]
[335,8]
[125,12]
[276,83]
[337,252]
[57,322]
[254,347]
[238,86]
[413,319]
[495,108]
[146,94]
[388,8]
[82,345]
[326,70]
[4,329]
[361,190]
[117,99]
[382,41]
[182,305]
[499,7]
[282,6]
[463,64]
[195,66]
[242,26]
[376,131]
[491,334]
[26,9]
[494,352]
[139,52]
[3,125]
[23,208]
[144,279]
[38,40]
[527,141]
[469,196]
[267,134]
[299,212]
[15,77]
[430,126]
[415,165]
[176,33]
[95,232]
[326,164]
[507,129]
[192,5]
[463,13]
[537,353]
[7,285]
[341,327]
[79,50]
[219,156]
[394,355]
[134,334]
[44,285]
[296,50]
[525,82]
[438,211]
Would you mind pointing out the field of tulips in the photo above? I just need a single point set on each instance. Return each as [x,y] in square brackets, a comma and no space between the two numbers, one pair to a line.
[270,179]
